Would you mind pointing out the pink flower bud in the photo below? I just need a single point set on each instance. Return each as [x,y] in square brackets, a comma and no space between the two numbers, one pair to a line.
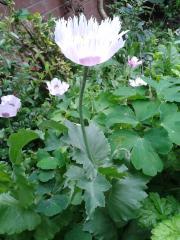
[134,62]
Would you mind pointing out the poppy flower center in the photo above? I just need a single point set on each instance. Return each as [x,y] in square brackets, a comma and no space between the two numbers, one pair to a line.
[90,61]
[5,114]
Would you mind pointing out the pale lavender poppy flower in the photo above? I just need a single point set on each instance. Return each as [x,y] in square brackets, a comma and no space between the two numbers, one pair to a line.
[56,87]
[86,42]
[7,111]
[134,62]
[137,82]
[12,101]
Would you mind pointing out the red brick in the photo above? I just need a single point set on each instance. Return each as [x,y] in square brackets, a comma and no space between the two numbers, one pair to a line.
[91,9]
[59,11]
[25,3]
[39,7]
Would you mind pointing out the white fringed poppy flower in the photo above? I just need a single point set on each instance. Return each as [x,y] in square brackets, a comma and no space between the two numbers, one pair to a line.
[134,62]
[7,111]
[87,42]
[137,82]
[56,87]
[11,100]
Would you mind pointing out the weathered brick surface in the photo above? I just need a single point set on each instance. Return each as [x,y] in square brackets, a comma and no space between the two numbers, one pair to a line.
[58,8]
[3,10]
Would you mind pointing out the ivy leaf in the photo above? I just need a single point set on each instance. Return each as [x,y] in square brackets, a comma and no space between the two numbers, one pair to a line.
[121,114]
[15,219]
[94,192]
[167,229]
[54,205]
[101,226]
[145,109]
[17,141]
[155,209]
[159,140]
[125,198]
[77,233]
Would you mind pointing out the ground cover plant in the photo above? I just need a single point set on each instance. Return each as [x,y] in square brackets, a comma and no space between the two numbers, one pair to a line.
[89,153]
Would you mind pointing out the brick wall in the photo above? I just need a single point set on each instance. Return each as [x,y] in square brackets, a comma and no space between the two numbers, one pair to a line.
[58,7]
[45,7]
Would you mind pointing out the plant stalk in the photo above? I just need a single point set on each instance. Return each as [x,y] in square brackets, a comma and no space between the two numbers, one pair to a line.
[82,88]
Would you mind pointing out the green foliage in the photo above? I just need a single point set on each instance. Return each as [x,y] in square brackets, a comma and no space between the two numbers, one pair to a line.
[15,219]
[167,89]
[47,229]
[17,141]
[101,226]
[45,161]
[78,233]
[35,60]
[94,193]
[125,197]
[98,144]
[167,229]
[163,145]
[5,177]
[171,123]
[155,209]
[145,109]
[52,206]
[143,155]
[119,115]
[49,188]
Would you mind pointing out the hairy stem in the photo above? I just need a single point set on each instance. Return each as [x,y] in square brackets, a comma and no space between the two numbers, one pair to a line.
[82,88]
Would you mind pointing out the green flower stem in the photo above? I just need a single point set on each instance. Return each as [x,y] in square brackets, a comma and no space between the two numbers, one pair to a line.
[9,125]
[82,88]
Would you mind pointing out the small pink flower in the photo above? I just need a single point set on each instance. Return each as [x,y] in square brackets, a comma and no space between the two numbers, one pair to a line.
[7,111]
[12,101]
[56,87]
[134,62]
